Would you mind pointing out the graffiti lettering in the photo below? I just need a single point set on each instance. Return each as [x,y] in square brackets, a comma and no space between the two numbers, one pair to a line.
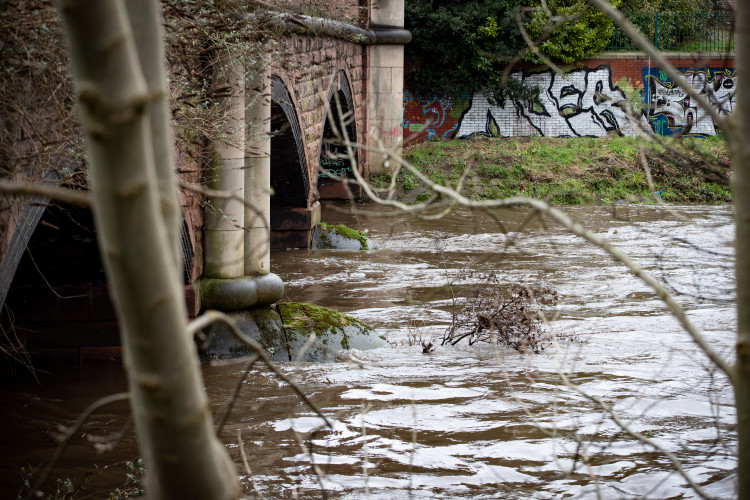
[334,173]
[580,103]
[428,115]
[670,109]
[332,162]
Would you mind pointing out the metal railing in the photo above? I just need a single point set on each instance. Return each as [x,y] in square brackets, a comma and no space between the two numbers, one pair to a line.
[690,32]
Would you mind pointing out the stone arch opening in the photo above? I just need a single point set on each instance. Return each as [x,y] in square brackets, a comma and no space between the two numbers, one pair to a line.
[289,179]
[62,250]
[55,288]
[334,164]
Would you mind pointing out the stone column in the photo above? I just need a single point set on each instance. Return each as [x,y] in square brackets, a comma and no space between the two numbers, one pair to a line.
[385,85]
[224,218]
[258,174]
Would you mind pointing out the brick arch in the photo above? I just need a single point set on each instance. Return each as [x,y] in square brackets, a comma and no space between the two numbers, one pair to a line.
[340,102]
[289,174]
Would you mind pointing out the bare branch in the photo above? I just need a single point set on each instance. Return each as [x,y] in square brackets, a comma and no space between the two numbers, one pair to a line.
[640,437]
[79,198]
[533,46]
[235,393]
[563,219]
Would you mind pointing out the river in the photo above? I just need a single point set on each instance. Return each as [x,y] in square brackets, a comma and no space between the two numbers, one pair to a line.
[466,421]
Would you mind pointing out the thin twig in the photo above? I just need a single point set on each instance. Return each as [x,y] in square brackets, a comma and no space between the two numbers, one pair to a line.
[79,198]
[638,39]
[640,437]
[245,462]
[561,218]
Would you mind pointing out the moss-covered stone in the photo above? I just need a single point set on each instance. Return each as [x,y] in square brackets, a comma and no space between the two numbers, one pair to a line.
[260,324]
[283,331]
[334,331]
[338,236]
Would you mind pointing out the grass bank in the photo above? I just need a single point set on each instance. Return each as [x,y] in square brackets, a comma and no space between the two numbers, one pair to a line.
[569,171]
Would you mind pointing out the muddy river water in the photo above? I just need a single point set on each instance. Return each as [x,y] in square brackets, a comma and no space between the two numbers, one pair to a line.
[463,421]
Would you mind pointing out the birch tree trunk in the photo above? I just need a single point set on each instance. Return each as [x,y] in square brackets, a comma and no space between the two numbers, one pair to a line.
[183,457]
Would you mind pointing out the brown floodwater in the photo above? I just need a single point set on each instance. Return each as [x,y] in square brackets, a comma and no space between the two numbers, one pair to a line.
[463,421]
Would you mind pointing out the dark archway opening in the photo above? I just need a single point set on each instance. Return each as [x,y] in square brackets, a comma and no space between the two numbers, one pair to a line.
[335,164]
[291,218]
[58,298]
[289,189]
[58,301]
[62,251]
[288,166]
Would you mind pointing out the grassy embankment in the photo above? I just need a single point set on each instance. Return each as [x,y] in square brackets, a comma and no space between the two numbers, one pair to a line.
[569,171]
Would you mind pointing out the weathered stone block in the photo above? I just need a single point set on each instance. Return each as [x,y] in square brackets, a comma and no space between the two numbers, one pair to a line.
[381,80]
[334,332]
[340,191]
[285,240]
[386,56]
[337,237]
[294,218]
[262,325]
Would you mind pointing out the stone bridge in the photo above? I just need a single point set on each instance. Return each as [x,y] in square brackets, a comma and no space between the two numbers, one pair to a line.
[324,73]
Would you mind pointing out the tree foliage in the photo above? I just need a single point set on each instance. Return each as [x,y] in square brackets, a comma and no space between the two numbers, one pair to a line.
[585,35]
[664,6]
[461,48]
[447,37]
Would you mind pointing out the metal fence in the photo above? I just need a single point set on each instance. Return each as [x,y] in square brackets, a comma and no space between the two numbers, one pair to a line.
[691,32]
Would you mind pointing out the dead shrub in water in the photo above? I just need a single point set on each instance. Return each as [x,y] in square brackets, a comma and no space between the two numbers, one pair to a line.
[510,316]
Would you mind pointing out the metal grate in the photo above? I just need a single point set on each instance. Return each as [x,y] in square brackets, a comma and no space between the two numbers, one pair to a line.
[187,252]
[27,221]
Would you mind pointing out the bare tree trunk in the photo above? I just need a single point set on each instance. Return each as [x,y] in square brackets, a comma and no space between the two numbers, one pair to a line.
[149,35]
[184,459]
[740,150]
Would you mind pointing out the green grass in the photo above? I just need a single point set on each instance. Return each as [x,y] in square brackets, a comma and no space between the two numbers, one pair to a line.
[568,171]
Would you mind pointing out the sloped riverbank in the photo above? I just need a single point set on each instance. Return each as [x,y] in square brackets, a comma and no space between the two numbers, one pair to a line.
[570,171]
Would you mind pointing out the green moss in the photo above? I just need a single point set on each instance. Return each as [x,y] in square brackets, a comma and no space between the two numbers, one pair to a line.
[344,231]
[325,241]
[307,317]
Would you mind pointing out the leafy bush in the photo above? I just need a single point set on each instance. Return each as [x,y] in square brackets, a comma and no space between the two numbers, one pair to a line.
[575,40]
[460,48]
[447,38]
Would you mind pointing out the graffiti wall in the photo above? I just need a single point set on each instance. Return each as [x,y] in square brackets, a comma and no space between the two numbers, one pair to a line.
[435,117]
[670,109]
[582,103]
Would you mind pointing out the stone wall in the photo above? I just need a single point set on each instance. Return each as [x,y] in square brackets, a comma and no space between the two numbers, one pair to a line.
[309,69]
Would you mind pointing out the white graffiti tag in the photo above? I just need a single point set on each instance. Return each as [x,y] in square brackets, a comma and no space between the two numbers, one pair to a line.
[580,103]
[672,110]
